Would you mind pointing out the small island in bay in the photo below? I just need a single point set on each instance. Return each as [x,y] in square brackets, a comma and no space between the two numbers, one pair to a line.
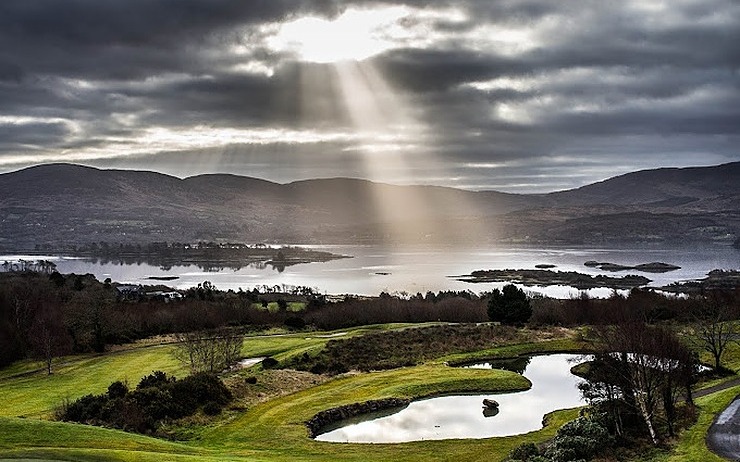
[653,267]
[716,279]
[545,266]
[550,278]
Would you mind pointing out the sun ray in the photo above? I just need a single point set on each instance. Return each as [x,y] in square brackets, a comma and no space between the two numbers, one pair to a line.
[338,84]
[398,146]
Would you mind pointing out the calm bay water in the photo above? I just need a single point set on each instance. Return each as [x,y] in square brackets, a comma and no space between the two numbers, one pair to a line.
[462,416]
[418,269]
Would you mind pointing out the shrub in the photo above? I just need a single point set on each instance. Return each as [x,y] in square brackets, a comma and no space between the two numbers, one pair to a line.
[157,398]
[318,368]
[251,380]
[269,362]
[212,408]
[155,379]
[117,390]
[85,409]
[580,439]
[295,322]
[200,388]
[156,403]
[524,452]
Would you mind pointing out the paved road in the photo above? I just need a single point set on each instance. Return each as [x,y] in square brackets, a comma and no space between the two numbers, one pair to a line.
[723,437]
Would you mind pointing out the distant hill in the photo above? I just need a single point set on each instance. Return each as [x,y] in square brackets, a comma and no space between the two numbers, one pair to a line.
[63,204]
[693,188]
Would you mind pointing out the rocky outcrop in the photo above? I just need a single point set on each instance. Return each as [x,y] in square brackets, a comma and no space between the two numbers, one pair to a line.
[330,416]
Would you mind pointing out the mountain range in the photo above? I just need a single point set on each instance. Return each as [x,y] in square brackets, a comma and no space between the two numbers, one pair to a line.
[56,205]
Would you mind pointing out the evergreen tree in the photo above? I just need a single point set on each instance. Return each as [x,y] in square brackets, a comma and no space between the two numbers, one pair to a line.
[509,306]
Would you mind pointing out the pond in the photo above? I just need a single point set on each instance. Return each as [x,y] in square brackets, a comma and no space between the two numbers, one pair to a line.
[463,416]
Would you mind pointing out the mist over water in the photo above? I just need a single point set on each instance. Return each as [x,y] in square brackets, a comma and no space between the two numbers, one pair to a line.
[412,269]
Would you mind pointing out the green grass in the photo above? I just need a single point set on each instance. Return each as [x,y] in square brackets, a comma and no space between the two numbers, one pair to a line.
[20,433]
[36,394]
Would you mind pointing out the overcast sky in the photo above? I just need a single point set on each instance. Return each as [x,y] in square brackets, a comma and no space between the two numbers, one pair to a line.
[514,95]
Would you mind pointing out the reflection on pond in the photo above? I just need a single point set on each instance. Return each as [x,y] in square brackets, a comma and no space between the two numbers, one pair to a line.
[518,365]
[490,411]
[464,416]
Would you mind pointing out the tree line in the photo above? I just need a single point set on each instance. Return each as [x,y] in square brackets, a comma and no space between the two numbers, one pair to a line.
[47,315]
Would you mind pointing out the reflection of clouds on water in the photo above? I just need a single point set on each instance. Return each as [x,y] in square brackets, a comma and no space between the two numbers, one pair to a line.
[554,387]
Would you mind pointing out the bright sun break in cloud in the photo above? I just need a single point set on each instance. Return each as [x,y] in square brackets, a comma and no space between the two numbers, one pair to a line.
[353,36]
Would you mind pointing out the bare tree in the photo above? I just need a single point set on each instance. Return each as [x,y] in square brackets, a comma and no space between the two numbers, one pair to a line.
[715,327]
[48,336]
[650,365]
[208,351]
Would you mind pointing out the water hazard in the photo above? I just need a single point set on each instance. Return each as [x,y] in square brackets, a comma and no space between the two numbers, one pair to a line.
[463,416]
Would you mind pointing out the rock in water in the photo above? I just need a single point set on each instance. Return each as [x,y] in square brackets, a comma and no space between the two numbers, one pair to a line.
[490,403]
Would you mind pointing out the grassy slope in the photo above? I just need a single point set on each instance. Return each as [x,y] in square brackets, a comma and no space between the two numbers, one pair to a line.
[37,394]
[30,436]
[282,347]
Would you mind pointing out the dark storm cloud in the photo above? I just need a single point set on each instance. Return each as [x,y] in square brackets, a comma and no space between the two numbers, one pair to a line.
[137,23]
[595,82]
[12,136]
[125,39]
[439,70]
[230,99]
